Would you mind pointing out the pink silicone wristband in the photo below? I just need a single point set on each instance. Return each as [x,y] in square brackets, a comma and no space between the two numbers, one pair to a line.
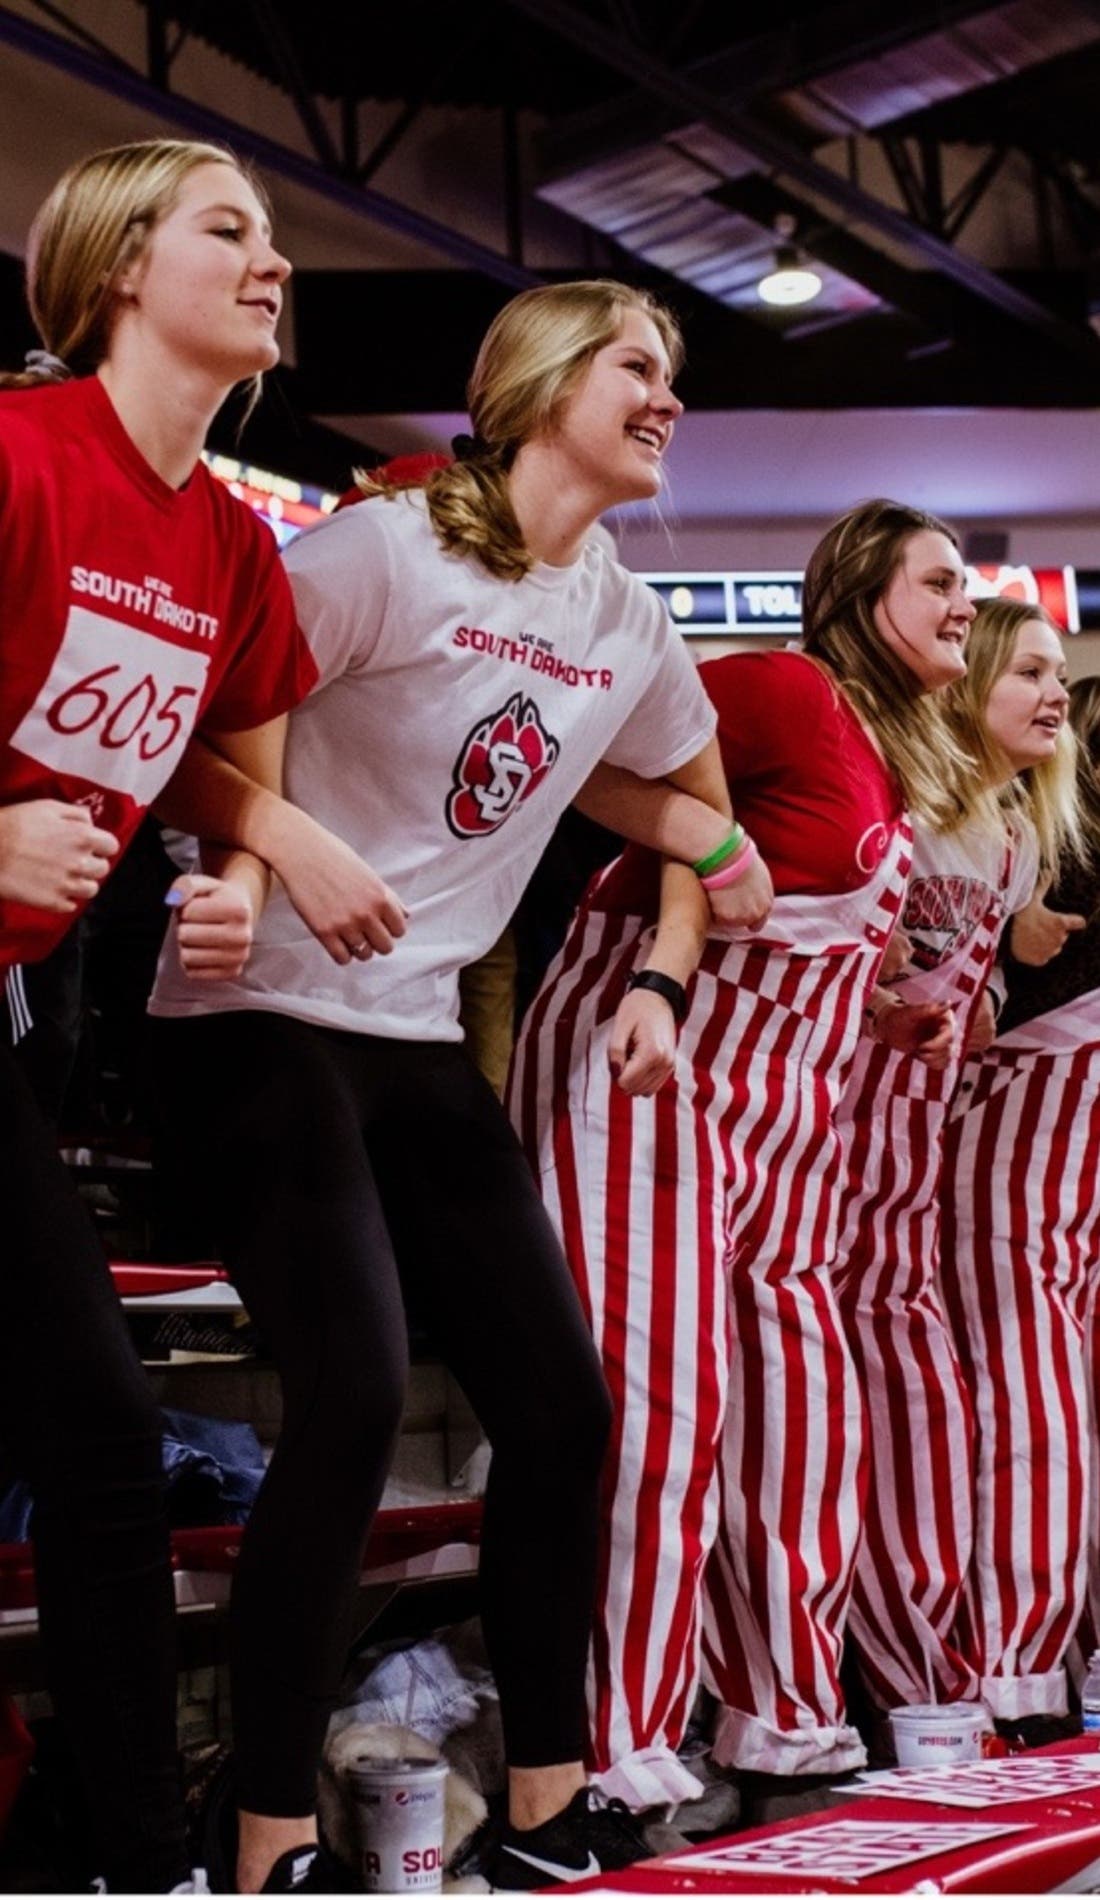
[729,873]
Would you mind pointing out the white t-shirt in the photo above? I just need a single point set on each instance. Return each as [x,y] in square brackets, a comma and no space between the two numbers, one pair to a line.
[455,718]
[961,883]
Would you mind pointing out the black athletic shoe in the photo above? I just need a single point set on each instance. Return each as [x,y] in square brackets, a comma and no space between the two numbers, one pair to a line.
[590,1836]
[190,1339]
[306,1869]
[1037,1731]
[309,1869]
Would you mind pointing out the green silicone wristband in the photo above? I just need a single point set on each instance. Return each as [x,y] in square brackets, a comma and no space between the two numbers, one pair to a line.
[727,849]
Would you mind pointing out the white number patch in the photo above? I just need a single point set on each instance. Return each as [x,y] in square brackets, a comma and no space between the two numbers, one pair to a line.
[117,709]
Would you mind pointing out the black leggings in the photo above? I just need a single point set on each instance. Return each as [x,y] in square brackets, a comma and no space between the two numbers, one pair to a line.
[78,1422]
[341,1165]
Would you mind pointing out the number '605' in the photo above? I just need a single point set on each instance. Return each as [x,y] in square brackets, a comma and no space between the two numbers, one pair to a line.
[136,716]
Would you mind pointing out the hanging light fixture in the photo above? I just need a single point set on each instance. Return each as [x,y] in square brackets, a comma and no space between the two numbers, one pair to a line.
[791,280]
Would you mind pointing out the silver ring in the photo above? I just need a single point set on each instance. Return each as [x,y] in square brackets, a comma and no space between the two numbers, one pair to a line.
[357,949]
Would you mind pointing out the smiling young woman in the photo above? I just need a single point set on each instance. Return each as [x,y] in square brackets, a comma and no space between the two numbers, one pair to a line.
[1020,1244]
[697,1192]
[1014,813]
[559,441]
[482,663]
[202,299]
[139,603]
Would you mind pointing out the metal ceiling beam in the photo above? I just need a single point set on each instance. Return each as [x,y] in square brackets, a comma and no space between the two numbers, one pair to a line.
[389,140]
[120,81]
[293,81]
[1082,212]
[186,16]
[773,150]
[76,27]
[905,177]
[156,42]
[787,56]
[969,196]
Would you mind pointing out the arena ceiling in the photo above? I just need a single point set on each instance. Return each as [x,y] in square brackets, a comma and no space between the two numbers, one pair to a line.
[939,164]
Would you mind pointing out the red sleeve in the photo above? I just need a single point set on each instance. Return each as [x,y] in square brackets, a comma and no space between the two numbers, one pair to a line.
[766,703]
[806,781]
[751,693]
[269,667]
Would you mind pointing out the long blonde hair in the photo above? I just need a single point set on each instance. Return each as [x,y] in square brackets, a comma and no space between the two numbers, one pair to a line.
[847,573]
[96,222]
[535,352]
[1044,793]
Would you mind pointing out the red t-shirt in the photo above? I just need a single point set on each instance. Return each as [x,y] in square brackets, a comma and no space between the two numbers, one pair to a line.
[805,780]
[130,614]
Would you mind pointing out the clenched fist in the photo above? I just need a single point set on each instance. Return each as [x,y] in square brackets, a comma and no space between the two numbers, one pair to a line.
[214,922]
[51,854]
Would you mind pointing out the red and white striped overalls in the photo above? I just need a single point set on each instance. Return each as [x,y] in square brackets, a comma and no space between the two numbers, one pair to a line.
[1020,1258]
[700,1228]
[918,1527]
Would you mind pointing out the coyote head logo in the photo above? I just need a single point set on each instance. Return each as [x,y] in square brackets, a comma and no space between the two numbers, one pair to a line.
[502,761]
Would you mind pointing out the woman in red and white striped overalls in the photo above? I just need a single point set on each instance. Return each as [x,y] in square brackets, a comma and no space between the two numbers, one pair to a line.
[1009,715]
[699,1221]
[1073,913]
[1020,1260]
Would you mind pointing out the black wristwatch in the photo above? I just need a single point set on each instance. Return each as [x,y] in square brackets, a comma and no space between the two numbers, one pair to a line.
[674,993]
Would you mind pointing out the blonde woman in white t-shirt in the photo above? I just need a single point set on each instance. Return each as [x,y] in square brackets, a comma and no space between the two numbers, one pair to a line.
[481,664]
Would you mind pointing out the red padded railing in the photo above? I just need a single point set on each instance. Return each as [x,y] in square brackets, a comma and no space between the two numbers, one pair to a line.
[396,1537]
[138,1278]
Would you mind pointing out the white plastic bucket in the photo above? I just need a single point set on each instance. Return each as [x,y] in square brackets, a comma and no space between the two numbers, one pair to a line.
[399,1816]
[928,1735]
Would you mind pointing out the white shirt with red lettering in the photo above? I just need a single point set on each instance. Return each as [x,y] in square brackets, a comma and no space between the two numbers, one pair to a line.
[963,885]
[455,718]
[130,613]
